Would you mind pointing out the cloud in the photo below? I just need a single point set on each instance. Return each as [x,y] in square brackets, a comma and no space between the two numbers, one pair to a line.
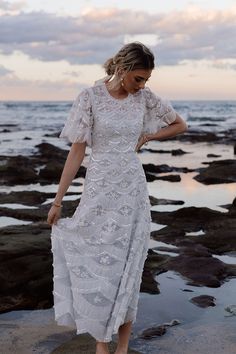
[224,64]
[57,85]
[97,34]
[4,71]
[8,7]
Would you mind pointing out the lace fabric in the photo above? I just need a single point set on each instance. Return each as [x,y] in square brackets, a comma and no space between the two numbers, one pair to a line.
[152,109]
[99,252]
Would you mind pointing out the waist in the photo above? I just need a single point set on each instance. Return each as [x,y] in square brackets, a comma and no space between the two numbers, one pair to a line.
[113,152]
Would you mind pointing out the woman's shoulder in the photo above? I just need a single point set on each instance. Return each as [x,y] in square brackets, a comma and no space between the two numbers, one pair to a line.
[150,98]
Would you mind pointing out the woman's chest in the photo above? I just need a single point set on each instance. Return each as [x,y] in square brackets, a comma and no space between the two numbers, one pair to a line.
[121,116]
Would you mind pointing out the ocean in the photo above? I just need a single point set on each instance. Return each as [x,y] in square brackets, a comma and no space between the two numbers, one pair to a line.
[24,124]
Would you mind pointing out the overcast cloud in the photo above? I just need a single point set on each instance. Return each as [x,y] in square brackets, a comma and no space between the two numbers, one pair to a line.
[93,37]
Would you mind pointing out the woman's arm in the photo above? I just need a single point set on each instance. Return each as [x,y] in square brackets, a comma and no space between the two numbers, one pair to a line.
[72,164]
[177,127]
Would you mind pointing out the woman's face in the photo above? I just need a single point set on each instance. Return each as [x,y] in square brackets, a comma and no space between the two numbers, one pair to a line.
[135,80]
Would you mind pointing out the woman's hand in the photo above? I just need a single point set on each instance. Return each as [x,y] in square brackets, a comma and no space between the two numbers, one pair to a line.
[143,139]
[53,215]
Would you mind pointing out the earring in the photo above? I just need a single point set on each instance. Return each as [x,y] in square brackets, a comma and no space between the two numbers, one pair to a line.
[121,81]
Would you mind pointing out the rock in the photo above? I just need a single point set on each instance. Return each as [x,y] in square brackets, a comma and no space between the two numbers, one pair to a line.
[44,167]
[16,170]
[195,136]
[158,201]
[203,271]
[213,155]
[231,309]
[195,260]
[51,152]
[165,168]
[158,330]
[203,301]
[173,152]
[170,178]
[39,214]
[178,152]
[32,198]
[223,171]
[25,267]
[189,219]
[153,332]
[174,322]
[149,284]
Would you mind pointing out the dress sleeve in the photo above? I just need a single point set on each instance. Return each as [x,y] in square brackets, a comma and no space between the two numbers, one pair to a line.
[158,112]
[78,126]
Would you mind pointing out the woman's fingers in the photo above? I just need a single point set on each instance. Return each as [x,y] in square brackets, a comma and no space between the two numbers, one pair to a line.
[53,217]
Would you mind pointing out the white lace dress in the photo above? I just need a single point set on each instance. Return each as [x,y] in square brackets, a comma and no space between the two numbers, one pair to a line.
[99,252]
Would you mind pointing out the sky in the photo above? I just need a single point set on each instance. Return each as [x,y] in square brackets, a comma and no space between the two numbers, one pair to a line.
[50,50]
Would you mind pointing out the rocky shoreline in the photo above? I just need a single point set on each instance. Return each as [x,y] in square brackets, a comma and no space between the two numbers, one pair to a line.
[26,259]
[25,249]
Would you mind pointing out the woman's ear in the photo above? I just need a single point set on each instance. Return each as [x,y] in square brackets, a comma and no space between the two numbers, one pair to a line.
[120,72]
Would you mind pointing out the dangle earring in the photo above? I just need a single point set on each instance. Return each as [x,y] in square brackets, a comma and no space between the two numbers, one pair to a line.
[121,82]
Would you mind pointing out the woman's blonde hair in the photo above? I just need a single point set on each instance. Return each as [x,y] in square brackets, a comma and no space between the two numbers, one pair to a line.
[131,56]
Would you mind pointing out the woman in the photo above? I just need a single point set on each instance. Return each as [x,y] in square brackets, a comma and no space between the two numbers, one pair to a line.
[99,253]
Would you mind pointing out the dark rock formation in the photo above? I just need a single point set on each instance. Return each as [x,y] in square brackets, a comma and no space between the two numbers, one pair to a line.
[223,171]
[203,301]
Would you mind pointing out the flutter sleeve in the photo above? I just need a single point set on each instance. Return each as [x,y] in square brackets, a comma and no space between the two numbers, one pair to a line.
[78,126]
[158,112]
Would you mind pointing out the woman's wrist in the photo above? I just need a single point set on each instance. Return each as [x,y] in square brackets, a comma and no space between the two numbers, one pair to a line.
[57,202]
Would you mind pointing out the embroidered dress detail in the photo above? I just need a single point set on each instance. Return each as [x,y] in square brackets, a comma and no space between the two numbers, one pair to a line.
[99,252]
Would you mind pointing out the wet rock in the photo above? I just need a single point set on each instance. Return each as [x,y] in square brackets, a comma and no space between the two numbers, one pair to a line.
[158,330]
[52,135]
[149,284]
[195,136]
[231,309]
[17,170]
[189,219]
[223,171]
[174,152]
[165,168]
[25,267]
[44,167]
[169,178]
[203,301]
[178,152]
[153,332]
[195,261]
[159,201]
[51,152]
[213,155]
[32,198]
[172,323]
[51,172]
[203,271]
[39,214]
